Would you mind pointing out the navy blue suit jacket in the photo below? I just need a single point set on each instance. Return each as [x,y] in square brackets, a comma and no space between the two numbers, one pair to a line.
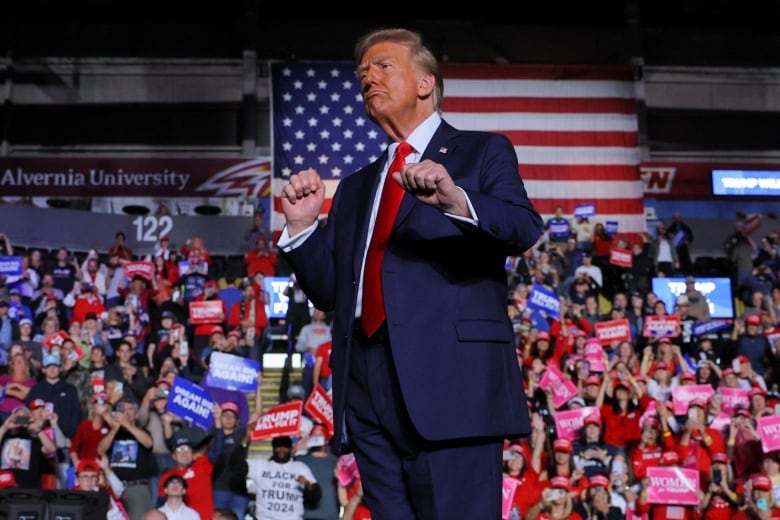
[445,289]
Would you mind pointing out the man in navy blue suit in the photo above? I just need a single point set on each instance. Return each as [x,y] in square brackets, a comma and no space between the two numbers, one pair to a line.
[426,399]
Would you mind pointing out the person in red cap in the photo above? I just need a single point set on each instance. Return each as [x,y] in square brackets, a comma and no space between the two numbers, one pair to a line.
[590,389]
[564,331]
[652,443]
[758,402]
[248,317]
[760,502]
[598,501]
[747,377]
[659,374]
[203,333]
[646,509]
[724,496]
[556,502]
[620,416]
[262,258]
[96,475]
[541,347]
[562,465]
[228,453]
[91,430]
[518,465]
[697,442]
[744,445]
[752,344]
[591,453]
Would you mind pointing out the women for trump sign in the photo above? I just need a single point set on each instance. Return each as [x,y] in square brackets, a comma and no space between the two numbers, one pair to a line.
[768,428]
[673,485]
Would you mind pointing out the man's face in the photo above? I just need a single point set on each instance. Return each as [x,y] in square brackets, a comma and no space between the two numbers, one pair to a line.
[388,83]
[87,480]
[182,455]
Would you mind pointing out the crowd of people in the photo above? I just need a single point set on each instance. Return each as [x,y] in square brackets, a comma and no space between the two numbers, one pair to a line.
[89,353]
[90,349]
[633,411]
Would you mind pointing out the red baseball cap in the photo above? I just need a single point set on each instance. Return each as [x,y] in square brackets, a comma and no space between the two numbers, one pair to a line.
[593,380]
[230,407]
[687,376]
[660,365]
[621,382]
[753,319]
[87,465]
[217,329]
[757,390]
[543,335]
[564,445]
[720,457]
[592,419]
[598,480]
[560,482]
[743,359]
[761,482]
[7,479]
[701,403]
[37,403]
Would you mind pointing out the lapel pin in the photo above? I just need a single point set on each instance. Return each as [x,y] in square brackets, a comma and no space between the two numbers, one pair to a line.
[443,150]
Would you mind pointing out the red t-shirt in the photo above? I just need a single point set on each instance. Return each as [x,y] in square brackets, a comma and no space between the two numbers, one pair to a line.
[86,439]
[643,458]
[323,352]
[620,429]
[528,491]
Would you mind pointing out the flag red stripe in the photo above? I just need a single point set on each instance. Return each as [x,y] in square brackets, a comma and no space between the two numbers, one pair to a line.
[537,138]
[487,71]
[539,105]
[627,206]
[579,172]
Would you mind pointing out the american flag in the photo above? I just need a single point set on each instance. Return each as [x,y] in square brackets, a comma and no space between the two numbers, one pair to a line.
[575,129]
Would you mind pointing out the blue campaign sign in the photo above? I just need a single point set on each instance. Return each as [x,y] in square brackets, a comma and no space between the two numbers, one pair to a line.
[10,265]
[191,402]
[587,210]
[708,327]
[546,301]
[612,227]
[233,372]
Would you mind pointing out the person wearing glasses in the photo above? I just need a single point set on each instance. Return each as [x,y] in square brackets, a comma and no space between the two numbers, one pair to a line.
[96,475]
[194,465]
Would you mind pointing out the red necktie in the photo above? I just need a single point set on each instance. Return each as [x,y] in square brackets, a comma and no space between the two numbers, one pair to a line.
[392,193]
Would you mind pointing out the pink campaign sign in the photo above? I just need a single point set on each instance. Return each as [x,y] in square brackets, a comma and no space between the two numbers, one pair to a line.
[683,394]
[734,398]
[508,488]
[768,428]
[673,485]
[568,423]
[594,354]
[562,389]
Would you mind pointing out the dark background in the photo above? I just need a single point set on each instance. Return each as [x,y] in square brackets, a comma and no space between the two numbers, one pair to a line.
[713,33]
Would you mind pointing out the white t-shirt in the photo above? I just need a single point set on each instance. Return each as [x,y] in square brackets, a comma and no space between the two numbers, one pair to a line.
[279,496]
